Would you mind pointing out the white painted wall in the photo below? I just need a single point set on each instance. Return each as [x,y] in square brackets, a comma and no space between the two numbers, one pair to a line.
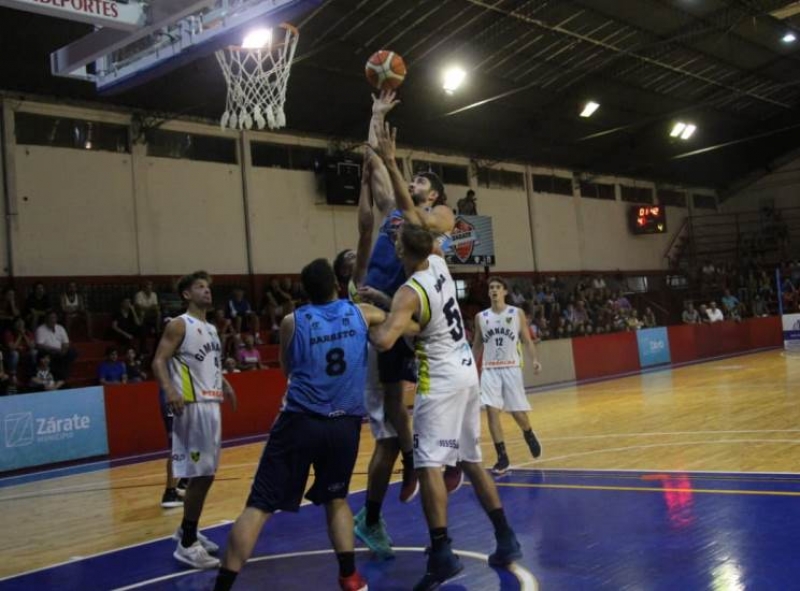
[780,189]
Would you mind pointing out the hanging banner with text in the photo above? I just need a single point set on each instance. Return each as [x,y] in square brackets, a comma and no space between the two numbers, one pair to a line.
[472,241]
[50,427]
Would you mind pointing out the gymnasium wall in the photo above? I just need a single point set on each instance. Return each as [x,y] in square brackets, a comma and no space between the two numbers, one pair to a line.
[780,189]
[102,213]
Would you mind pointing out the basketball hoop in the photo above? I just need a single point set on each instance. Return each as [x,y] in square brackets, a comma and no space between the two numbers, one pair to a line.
[257,80]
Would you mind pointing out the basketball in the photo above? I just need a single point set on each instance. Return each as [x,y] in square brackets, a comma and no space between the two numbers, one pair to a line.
[385,70]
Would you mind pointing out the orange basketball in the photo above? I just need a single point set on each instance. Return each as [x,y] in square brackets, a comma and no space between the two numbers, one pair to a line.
[385,70]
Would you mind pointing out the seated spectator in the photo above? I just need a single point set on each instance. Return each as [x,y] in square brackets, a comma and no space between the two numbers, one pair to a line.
[759,308]
[248,356]
[649,318]
[43,378]
[690,315]
[227,336]
[133,367]
[126,326]
[295,289]
[277,303]
[148,309]
[632,322]
[9,310]
[621,302]
[52,338]
[714,313]
[731,306]
[242,315]
[516,296]
[37,305]
[112,370]
[21,345]
[598,283]
[73,306]
[229,366]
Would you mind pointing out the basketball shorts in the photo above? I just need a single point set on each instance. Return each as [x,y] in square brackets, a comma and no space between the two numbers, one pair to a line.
[504,389]
[297,442]
[373,400]
[398,364]
[447,428]
[196,440]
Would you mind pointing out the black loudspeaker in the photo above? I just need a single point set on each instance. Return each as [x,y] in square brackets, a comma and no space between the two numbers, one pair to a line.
[342,181]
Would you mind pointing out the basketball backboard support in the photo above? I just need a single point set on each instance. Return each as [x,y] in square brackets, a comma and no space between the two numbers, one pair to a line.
[103,13]
[174,33]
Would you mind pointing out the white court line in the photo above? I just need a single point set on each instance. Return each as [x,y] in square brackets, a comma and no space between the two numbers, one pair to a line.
[651,471]
[652,445]
[527,581]
[669,433]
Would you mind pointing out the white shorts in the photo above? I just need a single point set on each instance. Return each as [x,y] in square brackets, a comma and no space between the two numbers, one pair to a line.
[373,400]
[504,389]
[196,440]
[447,428]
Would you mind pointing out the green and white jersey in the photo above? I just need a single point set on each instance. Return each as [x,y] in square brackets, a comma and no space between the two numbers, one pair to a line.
[443,354]
[196,367]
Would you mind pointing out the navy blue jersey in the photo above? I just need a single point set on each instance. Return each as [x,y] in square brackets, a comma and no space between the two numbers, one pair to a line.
[327,360]
[385,271]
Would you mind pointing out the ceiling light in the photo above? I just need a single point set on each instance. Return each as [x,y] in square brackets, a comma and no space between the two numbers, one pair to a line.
[257,39]
[589,109]
[453,78]
[677,130]
[789,38]
[688,131]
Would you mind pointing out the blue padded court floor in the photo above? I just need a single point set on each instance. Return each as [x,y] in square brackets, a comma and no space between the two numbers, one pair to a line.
[578,529]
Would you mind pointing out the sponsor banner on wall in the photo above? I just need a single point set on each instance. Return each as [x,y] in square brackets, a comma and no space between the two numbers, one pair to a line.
[49,427]
[472,241]
[653,346]
[791,331]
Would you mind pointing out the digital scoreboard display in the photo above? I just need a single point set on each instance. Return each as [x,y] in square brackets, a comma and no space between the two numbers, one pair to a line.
[648,219]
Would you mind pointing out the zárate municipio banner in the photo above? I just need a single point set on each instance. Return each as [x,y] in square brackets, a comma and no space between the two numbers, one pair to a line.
[472,241]
[49,427]
[791,331]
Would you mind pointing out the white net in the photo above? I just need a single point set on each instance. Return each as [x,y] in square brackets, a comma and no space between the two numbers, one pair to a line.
[257,80]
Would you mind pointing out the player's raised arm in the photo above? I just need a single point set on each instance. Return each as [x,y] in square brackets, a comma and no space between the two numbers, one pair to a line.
[387,150]
[366,220]
[380,181]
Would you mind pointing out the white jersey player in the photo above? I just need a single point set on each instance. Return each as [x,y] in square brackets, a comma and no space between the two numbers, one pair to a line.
[188,367]
[500,334]
[447,404]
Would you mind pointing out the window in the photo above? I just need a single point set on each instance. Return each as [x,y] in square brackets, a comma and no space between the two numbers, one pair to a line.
[598,191]
[175,144]
[63,132]
[498,178]
[462,291]
[636,194]
[450,174]
[552,184]
[672,197]
[704,201]
[288,157]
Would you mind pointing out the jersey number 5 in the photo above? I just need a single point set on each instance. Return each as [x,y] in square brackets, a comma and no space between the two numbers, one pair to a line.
[336,363]
[453,317]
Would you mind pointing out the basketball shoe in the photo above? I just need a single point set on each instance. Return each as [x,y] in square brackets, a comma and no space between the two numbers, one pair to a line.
[374,536]
[195,556]
[442,565]
[354,582]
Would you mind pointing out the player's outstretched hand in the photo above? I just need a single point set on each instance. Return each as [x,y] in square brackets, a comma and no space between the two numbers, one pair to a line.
[387,141]
[385,102]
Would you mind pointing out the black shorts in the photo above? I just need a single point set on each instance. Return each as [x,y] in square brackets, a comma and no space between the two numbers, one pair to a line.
[398,364]
[297,442]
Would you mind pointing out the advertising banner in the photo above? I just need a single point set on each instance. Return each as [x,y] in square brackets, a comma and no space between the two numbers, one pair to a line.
[49,427]
[653,346]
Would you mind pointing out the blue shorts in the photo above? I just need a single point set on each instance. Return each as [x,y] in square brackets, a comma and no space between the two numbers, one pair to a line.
[398,364]
[297,442]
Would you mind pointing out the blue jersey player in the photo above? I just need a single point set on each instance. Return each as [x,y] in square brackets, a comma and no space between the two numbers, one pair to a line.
[324,355]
